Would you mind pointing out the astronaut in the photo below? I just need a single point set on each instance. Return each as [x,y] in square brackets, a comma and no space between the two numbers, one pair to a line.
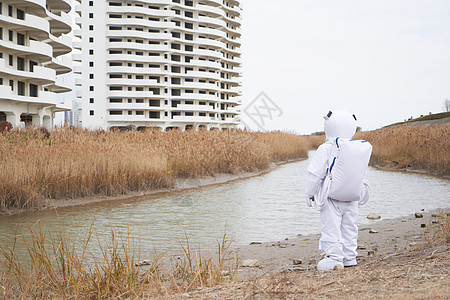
[338,218]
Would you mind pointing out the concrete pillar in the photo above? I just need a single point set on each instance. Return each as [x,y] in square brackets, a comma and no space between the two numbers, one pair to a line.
[36,120]
[13,118]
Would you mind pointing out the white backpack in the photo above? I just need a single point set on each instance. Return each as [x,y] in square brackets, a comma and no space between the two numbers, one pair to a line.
[348,168]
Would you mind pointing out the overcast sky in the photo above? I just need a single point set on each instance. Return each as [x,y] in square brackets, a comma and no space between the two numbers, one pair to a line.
[384,60]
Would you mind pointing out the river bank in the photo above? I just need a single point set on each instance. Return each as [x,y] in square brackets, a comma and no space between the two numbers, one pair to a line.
[179,185]
[403,255]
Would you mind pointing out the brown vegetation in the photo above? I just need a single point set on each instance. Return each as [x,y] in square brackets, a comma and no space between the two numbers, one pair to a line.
[5,126]
[73,163]
[59,271]
[411,147]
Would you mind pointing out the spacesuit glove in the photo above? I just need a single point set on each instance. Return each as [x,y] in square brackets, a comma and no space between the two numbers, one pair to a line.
[309,201]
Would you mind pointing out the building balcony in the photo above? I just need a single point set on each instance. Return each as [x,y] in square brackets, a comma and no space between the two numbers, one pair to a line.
[44,98]
[211,42]
[128,118]
[141,22]
[137,58]
[131,82]
[31,24]
[212,21]
[30,5]
[139,71]
[61,64]
[59,24]
[139,34]
[132,94]
[131,106]
[210,9]
[192,119]
[189,107]
[63,84]
[39,50]
[61,45]
[205,64]
[61,5]
[204,75]
[211,32]
[136,46]
[141,10]
[40,75]
[194,96]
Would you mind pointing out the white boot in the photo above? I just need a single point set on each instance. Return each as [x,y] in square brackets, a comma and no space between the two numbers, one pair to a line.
[327,264]
[350,263]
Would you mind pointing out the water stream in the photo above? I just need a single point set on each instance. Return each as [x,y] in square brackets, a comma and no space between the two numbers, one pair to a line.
[269,207]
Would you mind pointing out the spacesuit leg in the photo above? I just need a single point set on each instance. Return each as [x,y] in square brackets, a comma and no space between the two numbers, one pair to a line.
[349,231]
[331,240]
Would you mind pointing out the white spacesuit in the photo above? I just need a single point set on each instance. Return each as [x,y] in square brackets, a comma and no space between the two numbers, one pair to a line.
[338,218]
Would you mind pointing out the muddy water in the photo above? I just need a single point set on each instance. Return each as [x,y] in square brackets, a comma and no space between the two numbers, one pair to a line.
[270,207]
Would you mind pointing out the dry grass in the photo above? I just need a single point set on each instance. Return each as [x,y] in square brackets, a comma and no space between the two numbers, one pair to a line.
[411,147]
[76,163]
[59,271]
[438,231]
[409,275]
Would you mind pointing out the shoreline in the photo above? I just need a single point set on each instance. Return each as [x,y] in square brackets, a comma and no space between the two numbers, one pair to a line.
[400,239]
[392,235]
[180,185]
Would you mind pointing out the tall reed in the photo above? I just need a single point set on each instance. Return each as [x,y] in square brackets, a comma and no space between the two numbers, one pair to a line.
[412,147]
[60,270]
[75,163]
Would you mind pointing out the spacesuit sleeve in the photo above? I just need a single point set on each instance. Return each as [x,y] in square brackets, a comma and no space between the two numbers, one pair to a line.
[317,170]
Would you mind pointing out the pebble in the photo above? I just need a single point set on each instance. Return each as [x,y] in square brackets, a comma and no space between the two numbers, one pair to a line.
[373,216]
[250,263]
[373,231]
[418,215]
[297,262]
[144,263]
[361,247]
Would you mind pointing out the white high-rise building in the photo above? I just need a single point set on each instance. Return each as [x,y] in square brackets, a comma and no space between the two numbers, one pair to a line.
[33,42]
[159,63]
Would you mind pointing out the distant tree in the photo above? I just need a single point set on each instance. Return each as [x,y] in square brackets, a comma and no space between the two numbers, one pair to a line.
[446,105]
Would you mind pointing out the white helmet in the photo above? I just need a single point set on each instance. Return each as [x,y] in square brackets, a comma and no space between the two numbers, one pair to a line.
[339,124]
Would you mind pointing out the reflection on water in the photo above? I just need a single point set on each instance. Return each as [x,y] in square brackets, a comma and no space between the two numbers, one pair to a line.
[270,207]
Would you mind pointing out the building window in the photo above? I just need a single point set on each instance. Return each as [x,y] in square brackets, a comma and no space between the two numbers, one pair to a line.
[11,84]
[115,112]
[130,112]
[139,112]
[91,3]
[91,88]
[11,35]
[1,33]
[20,14]
[32,64]
[91,15]
[91,100]
[20,39]
[10,11]
[91,112]
[91,51]
[154,115]
[20,64]
[91,27]
[33,90]
[21,88]
[91,40]
[91,76]
[91,64]
[10,57]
